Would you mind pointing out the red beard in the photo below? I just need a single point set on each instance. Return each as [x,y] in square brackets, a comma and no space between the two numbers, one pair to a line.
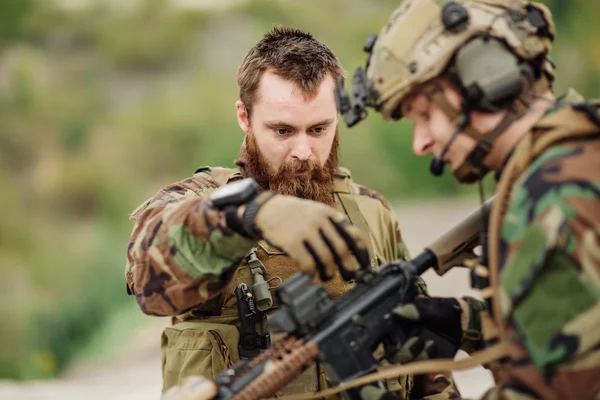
[317,185]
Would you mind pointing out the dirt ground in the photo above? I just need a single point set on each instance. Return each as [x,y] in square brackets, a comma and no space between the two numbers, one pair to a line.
[133,373]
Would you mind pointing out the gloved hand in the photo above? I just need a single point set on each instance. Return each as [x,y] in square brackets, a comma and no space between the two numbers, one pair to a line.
[372,392]
[441,317]
[314,235]
[192,388]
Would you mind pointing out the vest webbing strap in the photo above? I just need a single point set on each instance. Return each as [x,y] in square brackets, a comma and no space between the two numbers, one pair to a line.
[358,219]
[416,368]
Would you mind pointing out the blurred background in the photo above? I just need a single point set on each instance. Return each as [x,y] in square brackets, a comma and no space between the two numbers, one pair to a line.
[103,102]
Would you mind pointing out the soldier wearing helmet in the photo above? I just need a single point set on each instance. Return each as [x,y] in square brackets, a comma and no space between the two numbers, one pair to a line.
[475,79]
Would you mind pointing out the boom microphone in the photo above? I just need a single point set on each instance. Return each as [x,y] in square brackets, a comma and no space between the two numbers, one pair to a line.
[437,164]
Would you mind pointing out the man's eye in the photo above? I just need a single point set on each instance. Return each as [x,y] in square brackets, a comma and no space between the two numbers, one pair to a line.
[282,131]
[425,115]
[319,129]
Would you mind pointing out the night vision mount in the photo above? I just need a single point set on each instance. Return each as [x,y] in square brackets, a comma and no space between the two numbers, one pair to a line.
[354,109]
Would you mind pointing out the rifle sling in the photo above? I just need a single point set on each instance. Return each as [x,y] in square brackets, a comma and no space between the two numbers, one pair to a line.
[417,368]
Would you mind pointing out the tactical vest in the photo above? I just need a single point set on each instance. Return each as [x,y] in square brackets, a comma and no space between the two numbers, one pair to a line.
[564,125]
[205,340]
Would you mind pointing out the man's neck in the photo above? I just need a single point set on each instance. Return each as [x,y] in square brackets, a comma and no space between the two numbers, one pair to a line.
[509,138]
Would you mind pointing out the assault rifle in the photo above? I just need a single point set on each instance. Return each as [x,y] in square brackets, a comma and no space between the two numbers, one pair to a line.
[344,333]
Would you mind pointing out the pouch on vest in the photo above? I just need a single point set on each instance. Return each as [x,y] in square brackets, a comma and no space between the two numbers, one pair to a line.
[204,348]
[197,348]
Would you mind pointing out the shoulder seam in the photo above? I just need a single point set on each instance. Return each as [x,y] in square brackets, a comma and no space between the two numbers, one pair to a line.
[362,190]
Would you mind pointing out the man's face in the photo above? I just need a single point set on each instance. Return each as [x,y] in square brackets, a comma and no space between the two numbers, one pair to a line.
[432,128]
[291,139]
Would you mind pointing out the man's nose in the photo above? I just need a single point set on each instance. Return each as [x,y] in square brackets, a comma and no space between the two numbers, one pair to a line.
[422,142]
[301,147]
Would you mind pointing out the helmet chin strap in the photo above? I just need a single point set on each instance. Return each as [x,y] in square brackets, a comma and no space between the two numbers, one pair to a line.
[437,164]
[459,117]
[473,169]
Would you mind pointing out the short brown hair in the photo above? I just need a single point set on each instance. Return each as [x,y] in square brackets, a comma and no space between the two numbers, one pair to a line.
[293,55]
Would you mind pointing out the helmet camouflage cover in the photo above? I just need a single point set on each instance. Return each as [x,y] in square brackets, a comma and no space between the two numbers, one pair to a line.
[422,36]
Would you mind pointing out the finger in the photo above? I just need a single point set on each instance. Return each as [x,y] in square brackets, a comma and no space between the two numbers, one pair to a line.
[192,388]
[409,350]
[371,392]
[318,262]
[408,311]
[337,246]
[207,389]
[428,352]
[353,239]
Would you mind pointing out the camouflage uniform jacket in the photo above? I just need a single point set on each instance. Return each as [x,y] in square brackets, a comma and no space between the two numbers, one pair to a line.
[180,254]
[548,256]
[183,262]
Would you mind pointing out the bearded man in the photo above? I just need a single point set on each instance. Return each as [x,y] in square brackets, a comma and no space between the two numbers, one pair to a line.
[207,250]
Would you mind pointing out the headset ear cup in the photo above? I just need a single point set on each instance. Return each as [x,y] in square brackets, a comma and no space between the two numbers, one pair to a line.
[490,75]
[474,97]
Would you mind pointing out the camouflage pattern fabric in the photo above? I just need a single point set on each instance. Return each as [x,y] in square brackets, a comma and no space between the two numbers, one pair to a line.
[549,259]
[181,254]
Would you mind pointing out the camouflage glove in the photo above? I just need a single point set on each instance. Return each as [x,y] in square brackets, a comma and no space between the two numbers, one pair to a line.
[192,388]
[440,316]
[314,235]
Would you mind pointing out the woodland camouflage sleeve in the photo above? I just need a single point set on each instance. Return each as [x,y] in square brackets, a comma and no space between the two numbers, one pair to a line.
[550,258]
[181,253]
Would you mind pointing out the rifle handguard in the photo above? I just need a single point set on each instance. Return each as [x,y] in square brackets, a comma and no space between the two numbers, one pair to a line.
[289,358]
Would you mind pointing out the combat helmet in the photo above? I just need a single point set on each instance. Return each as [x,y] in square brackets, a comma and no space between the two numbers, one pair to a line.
[496,51]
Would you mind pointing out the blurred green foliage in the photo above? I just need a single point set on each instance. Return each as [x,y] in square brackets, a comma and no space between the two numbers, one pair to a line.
[104,102]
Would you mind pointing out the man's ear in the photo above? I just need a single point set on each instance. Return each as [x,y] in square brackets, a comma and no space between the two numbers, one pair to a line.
[242,116]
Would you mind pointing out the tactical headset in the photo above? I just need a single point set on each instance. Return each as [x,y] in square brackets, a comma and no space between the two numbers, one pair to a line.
[491,78]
